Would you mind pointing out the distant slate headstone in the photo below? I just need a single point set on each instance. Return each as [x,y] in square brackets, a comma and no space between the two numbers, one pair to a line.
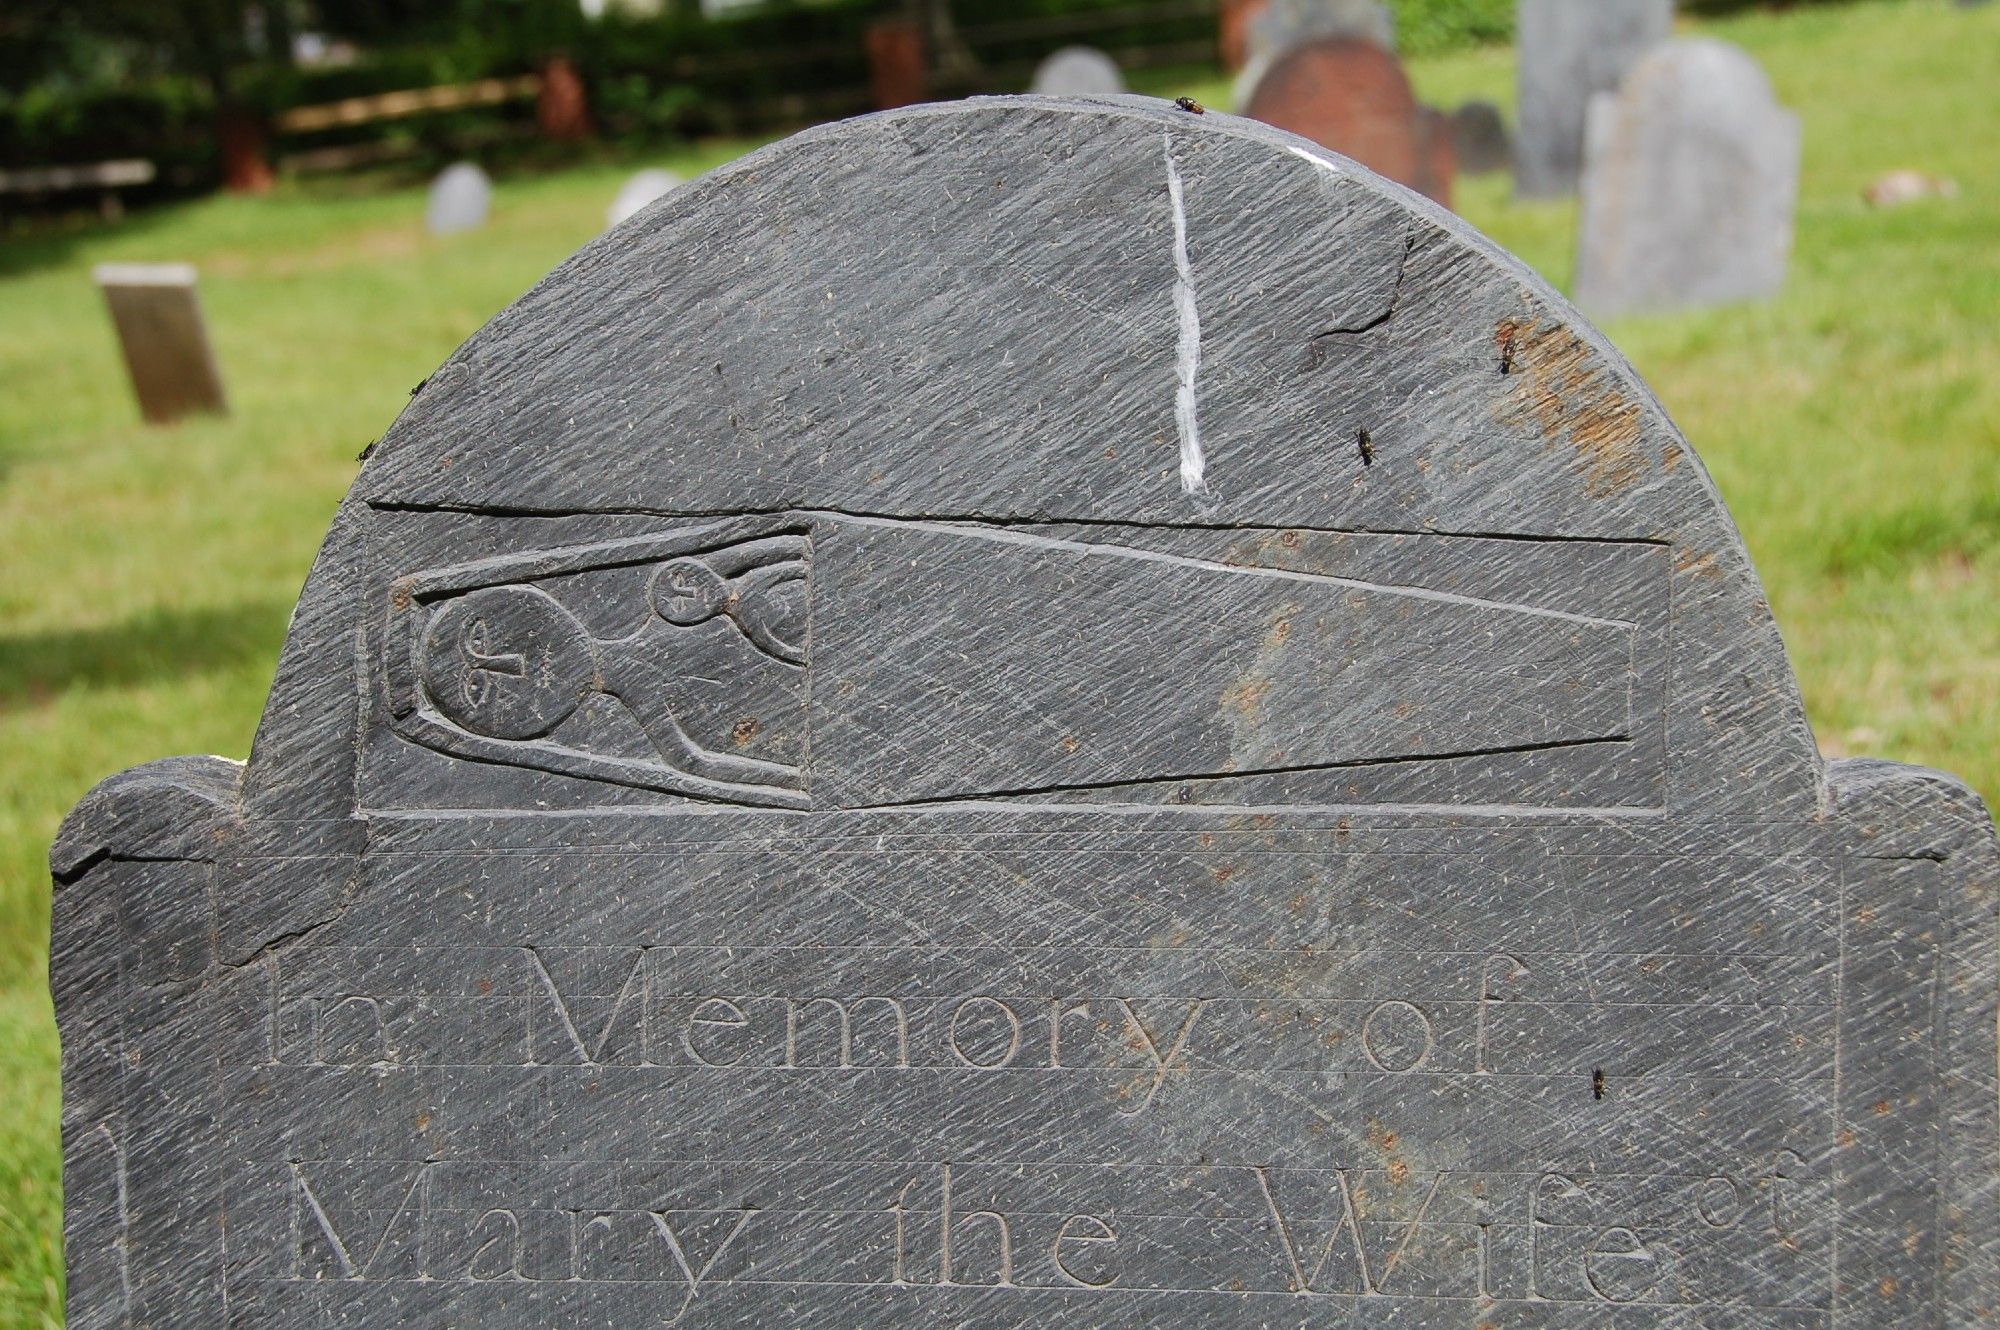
[459,199]
[1690,183]
[1479,139]
[640,190]
[1151,759]
[1352,96]
[160,330]
[1283,24]
[1077,71]
[1568,51]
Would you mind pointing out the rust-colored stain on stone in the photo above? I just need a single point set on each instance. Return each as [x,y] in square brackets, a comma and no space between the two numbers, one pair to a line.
[1687,560]
[1246,699]
[1558,387]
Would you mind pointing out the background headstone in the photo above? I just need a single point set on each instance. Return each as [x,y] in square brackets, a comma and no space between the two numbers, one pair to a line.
[1279,25]
[562,103]
[1479,139]
[1232,36]
[459,199]
[1690,184]
[897,72]
[641,189]
[1244,86]
[160,330]
[1077,71]
[1283,24]
[1568,51]
[1351,95]
[1031,714]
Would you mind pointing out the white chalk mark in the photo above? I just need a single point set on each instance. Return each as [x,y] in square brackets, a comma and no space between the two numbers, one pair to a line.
[1187,361]
[1313,157]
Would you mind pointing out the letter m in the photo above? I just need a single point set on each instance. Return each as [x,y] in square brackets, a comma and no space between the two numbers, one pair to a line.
[323,1246]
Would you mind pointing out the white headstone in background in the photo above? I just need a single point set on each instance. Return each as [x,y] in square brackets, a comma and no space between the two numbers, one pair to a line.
[1690,181]
[640,190]
[1077,71]
[460,197]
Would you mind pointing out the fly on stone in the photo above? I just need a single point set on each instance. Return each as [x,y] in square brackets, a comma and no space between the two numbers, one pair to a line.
[1190,104]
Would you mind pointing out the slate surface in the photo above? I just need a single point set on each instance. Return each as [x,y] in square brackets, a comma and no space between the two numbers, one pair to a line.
[1691,181]
[1569,51]
[1031,714]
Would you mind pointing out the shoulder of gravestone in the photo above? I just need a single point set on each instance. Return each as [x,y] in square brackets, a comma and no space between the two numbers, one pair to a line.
[1895,810]
[180,808]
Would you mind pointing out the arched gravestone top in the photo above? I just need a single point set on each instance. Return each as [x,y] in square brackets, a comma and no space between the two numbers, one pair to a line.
[459,199]
[1078,71]
[1283,24]
[1030,713]
[1569,51]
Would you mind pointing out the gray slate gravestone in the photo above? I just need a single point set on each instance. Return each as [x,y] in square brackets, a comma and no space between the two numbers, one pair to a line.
[1077,71]
[160,330]
[459,199]
[1480,142]
[1195,749]
[1690,183]
[1284,24]
[1570,50]
[640,190]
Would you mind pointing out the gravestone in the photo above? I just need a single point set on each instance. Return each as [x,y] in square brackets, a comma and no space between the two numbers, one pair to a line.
[1352,96]
[1690,183]
[459,199]
[1570,50]
[898,69]
[1077,71]
[1232,30]
[1480,142]
[1279,25]
[1283,24]
[1196,748]
[640,190]
[160,330]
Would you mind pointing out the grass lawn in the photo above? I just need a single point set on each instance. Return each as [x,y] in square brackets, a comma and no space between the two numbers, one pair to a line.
[146,575]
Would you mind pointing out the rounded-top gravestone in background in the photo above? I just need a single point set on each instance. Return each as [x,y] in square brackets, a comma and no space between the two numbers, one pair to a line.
[640,190]
[1283,24]
[1479,139]
[1568,51]
[1280,25]
[459,199]
[1352,96]
[1690,183]
[1077,71]
[1031,714]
